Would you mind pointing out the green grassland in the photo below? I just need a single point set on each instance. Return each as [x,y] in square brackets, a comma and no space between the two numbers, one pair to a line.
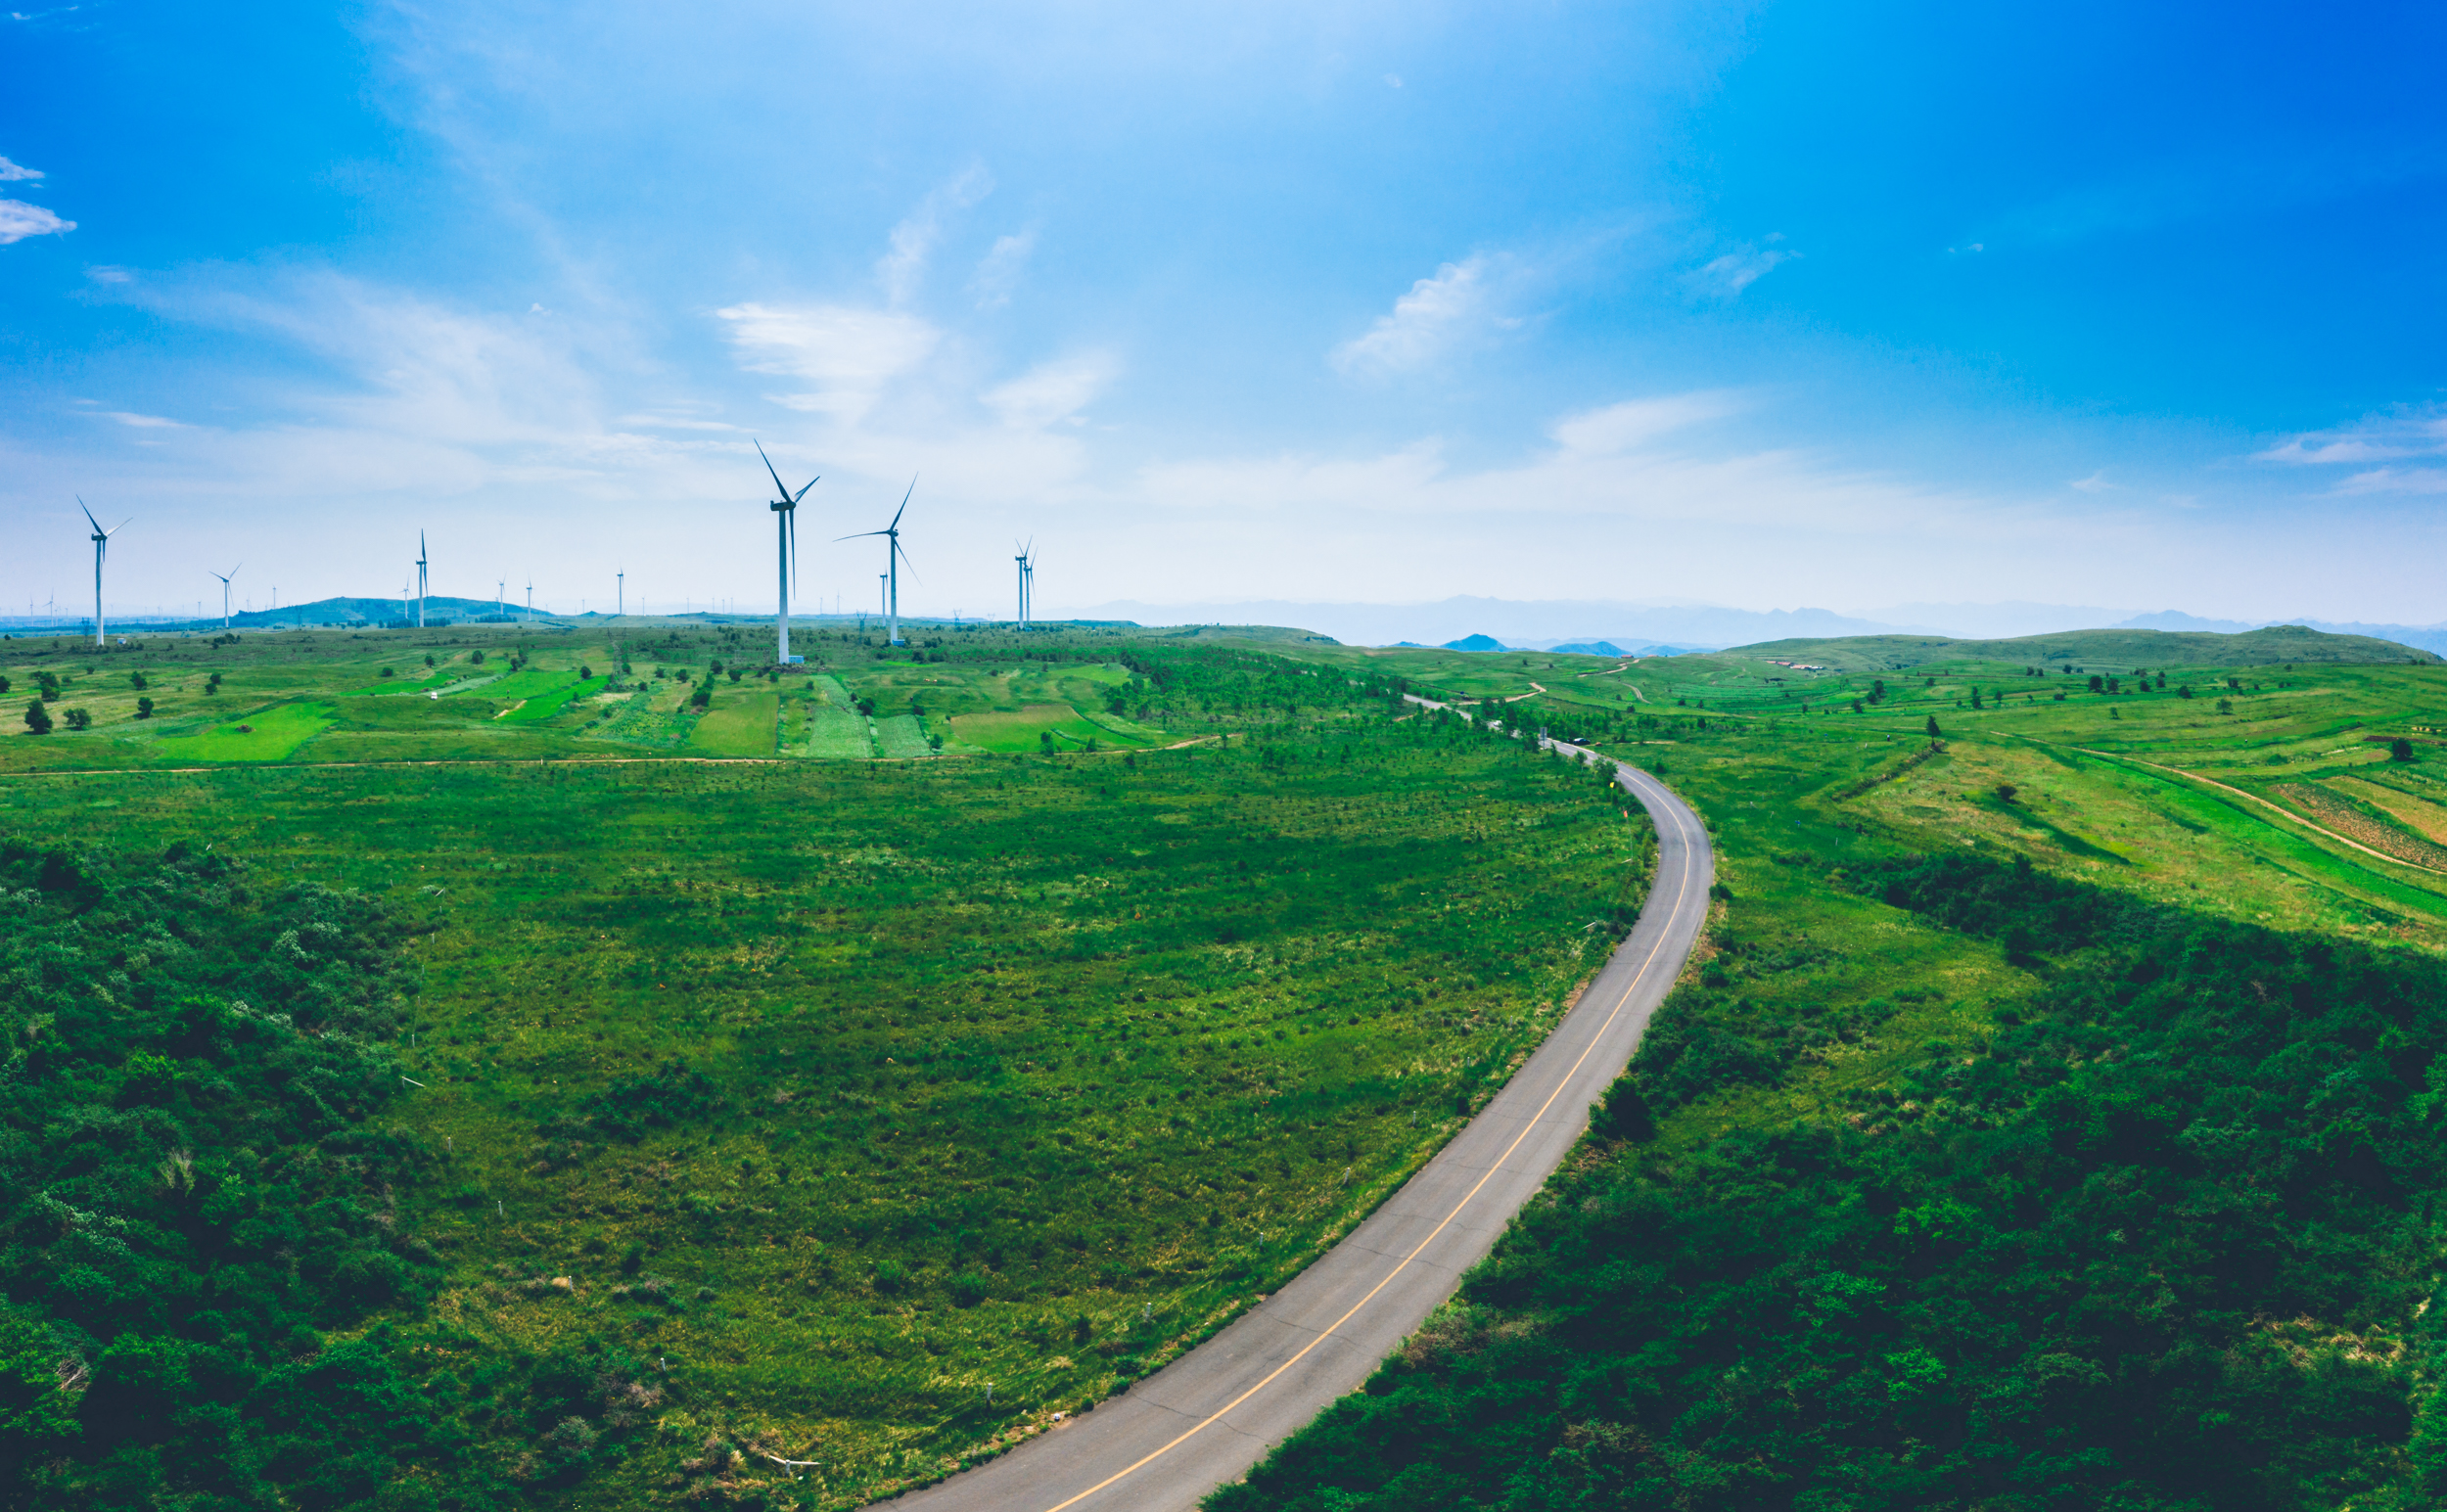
[842,1083]
[839,1089]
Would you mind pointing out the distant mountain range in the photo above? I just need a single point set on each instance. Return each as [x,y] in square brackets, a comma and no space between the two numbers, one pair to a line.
[1653,629]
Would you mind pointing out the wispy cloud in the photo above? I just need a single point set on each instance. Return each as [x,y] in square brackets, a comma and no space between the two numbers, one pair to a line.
[851,354]
[10,173]
[2096,483]
[1052,393]
[913,239]
[2409,434]
[1426,323]
[1727,276]
[998,271]
[141,422]
[20,221]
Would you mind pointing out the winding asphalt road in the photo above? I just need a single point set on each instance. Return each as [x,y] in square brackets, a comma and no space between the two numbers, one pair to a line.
[1210,1415]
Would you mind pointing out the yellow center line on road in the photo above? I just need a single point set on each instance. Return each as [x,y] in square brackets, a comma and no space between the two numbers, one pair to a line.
[1680,894]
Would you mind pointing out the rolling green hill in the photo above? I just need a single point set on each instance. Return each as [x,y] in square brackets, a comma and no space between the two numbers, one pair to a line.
[2097,648]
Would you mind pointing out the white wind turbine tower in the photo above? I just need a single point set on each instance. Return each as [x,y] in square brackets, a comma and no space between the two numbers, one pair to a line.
[420,579]
[1027,580]
[785,510]
[101,544]
[530,601]
[894,556]
[225,577]
[500,590]
[1021,561]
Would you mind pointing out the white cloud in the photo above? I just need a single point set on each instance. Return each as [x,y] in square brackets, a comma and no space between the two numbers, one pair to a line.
[10,173]
[1725,277]
[998,271]
[20,221]
[1052,392]
[141,422]
[2094,484]
[2396,480]
[851,354]
[1618,427]
[105,274]
[1425,322]
[913,239]
[2404,432]
[2409,434]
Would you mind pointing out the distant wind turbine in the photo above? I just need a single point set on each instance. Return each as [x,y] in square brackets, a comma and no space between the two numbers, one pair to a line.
[785,510]
[1021,561]
[894,556]
[101,544]
[420,579]
[530,601]
[225,577]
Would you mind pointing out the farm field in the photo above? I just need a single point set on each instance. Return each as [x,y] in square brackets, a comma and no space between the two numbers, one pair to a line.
[1007,1071]
[1023,1071]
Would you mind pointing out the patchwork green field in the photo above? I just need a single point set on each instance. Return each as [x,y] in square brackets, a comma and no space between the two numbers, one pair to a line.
[812,1099]
[796,1058]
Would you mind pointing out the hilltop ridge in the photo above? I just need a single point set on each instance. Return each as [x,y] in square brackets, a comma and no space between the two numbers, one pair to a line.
[2121,646]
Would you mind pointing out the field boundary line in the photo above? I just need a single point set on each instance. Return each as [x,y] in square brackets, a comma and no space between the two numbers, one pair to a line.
[2253,798]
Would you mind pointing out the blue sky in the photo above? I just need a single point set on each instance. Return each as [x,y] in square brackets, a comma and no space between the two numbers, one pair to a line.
[1764,305]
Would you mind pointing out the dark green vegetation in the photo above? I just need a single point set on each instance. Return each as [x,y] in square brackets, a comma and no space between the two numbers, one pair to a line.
[2161,1237]
[1995,1152]
[785,1106]
[198,1178]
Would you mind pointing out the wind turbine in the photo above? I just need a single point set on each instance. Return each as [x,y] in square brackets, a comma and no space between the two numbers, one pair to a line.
[1028,580]
[620,593]
[530,601]
[894,556]
[500,588]
[420,579]
[225,577]
[785,549]
[101,544]
[1022,560]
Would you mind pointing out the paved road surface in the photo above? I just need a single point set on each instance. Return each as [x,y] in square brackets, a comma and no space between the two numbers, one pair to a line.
[1210,1415]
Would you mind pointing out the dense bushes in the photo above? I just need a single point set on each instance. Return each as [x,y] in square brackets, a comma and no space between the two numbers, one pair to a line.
[2164,1242]
[189,1188]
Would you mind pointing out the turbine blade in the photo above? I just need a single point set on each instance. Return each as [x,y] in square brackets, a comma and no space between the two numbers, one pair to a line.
[89,518]
[791,517]
[803,493]
[861,535]
[782,487]
[904,503]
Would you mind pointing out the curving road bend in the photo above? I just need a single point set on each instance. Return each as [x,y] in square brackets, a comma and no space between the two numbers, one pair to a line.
[1207,1418]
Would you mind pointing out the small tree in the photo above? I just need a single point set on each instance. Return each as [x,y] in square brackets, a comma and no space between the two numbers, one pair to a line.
[136,680]
[2225,706]
[584,672]
[143,708]
[1623,1113]
[1932,726]
[78,718]
[2005,792]
[2400,749]
[37,717]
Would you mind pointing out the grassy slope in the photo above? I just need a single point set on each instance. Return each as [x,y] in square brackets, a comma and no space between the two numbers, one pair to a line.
[2095,649]
[1030,1071]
